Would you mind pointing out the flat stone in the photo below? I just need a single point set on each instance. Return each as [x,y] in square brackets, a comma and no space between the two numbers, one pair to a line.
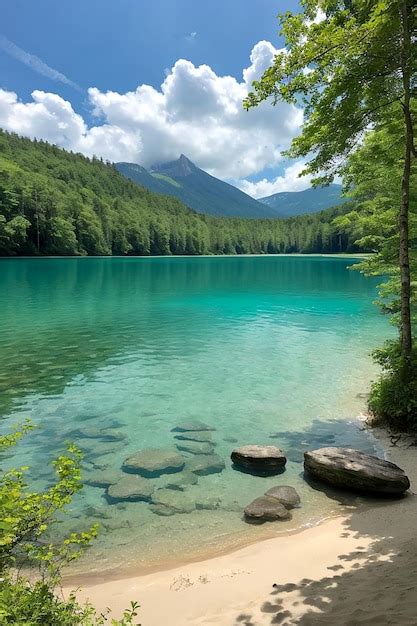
[131,488]
[261,459]
[191,426]
[197,435]
[174,499]
[154,462]
[208,503]
[95,432]
[162,510]
[356,471]
[180,480]
[266,508]
[203,464]
[284,494]
[196,447]
[103,479]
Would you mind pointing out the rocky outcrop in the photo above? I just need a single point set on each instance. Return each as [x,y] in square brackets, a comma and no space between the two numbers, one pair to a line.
[259,459]
[265,509]
[130,488]
[152,463]
[356,471]
[285,495]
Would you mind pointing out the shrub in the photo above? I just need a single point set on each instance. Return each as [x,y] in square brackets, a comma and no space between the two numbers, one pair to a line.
[25,516]
[393,397]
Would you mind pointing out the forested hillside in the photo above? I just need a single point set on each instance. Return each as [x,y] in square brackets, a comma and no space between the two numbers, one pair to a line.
[56,202]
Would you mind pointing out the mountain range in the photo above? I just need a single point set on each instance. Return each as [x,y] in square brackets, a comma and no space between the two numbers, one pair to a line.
[206,194]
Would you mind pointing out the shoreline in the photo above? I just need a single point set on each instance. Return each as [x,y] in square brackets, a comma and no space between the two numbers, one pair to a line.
[326,559]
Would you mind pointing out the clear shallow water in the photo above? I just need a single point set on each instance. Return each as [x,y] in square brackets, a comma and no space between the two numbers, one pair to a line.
[268,350]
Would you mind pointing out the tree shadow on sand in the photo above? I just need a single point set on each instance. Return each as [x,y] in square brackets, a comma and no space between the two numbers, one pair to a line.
[375,583]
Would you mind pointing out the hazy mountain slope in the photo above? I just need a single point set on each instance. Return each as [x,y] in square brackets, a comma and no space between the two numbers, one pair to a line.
[313,200]
[197,189]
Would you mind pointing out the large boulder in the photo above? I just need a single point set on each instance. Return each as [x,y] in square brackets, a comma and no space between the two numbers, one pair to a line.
[130,488]
[284,494]
[265,509]
[356,471]
[152,463]
[204,464]
[259,459]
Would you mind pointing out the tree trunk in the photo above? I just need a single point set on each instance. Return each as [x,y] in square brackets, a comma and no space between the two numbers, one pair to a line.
[404,261]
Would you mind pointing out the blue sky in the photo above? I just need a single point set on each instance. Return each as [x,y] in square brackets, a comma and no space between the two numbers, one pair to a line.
[79,51]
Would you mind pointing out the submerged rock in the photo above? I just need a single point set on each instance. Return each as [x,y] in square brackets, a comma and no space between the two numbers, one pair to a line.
[154,462]
[131,488]
[191,426]
[102,479]
[197,435]
[196,447]
[204,464]
[180,480]
[179,501]
[284,494]
[95,432]
[265,509]
[161,509]
[356,471]
[259,459]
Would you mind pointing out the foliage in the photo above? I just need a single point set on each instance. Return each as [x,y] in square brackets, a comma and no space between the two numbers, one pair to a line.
[56,202]
[393,397]
[25,518]
[353,65]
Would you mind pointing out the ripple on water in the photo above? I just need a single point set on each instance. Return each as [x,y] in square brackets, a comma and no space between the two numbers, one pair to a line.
[266,350]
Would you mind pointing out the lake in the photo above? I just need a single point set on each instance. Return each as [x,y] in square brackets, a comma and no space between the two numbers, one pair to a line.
[115,353]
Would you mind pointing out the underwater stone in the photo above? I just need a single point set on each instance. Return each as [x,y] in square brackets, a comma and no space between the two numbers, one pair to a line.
[132,488]
[203,464]
[191,426]
[152,463]
[196,447]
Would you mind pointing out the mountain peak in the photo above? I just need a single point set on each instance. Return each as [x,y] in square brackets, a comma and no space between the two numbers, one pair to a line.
[181,167]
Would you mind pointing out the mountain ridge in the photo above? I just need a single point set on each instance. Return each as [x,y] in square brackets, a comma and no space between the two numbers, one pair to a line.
[310,200]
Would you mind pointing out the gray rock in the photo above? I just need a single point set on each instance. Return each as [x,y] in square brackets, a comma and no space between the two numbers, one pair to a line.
[209,503]
[103,479]
[131,488]
[202,436]
[356,471]
[191,426]
[259,459]
[154,462]
[180,480]
[196,447]
[265,509]
[179,501]
[95,432]
[284,494]
[203,464]
[162,510]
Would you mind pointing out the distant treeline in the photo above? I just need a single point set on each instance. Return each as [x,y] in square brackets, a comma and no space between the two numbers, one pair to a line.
[54,202]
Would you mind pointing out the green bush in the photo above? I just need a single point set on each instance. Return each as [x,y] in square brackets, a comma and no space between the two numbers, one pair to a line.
[25,517]
[393,398]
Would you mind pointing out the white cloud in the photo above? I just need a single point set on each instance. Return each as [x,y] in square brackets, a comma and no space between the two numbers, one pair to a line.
[195,112]
[289,181]
[35,63]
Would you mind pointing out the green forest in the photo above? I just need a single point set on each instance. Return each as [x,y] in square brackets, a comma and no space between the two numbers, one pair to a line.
[53,202]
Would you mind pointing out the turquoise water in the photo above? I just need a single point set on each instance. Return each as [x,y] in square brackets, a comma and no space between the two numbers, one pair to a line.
[268,350]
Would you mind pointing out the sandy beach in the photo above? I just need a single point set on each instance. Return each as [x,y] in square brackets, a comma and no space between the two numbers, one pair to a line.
[359,568]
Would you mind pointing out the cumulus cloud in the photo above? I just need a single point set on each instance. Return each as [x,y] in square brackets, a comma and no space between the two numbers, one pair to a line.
[289,181]
[195,111]
[35,63]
